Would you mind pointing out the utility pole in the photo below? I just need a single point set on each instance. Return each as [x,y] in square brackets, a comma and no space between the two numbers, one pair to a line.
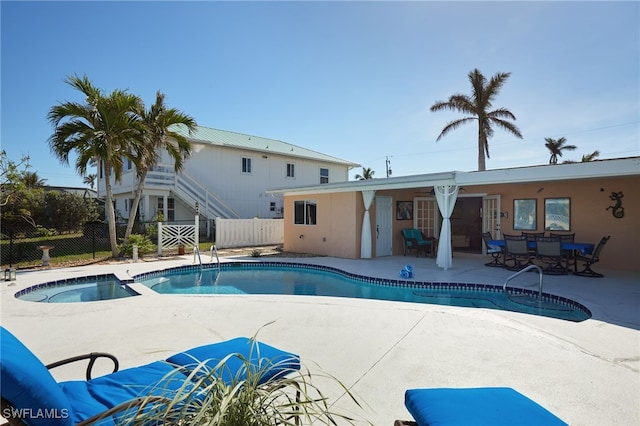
[388,163]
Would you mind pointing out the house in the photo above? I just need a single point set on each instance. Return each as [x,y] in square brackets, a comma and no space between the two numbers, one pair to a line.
[363,219]
[227,176]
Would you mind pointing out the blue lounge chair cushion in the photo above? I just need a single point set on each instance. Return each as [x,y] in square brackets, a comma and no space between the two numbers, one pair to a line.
[97,395]
[476,406]
[28,385]
[229,358]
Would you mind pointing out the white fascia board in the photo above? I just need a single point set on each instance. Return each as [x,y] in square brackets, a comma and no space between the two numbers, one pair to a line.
[402,182]
[553,172]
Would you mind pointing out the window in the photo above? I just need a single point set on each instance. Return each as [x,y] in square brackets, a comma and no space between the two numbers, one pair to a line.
[291,170]
[305,212]
[272,206]
[324,175]
[171,208]
[246,165]
[129,165]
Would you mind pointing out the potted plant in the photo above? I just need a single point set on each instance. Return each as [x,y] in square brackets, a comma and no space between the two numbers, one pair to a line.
[181,249]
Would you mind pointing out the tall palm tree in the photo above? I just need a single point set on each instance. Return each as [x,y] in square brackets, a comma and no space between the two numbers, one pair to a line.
[590,157]
[90,180]
[478,108]
[556,147]
[159,135]
[103,128]
[367,174]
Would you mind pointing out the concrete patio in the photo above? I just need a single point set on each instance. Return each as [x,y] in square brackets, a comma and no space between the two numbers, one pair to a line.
[586,373]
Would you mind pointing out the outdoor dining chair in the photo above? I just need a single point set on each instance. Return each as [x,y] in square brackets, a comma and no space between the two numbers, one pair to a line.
[517,251]
[549,251]
[495,251]
[589,260]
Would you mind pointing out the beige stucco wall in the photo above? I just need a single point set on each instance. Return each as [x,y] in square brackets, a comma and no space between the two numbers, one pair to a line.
[590,219]
[338,228]
[340,217]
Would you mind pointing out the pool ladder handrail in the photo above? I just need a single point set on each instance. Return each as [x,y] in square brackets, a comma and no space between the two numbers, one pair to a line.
[522,271]
[211,251]
[196,253]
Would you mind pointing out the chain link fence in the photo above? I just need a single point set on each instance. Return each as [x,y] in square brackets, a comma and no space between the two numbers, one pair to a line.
[22,246]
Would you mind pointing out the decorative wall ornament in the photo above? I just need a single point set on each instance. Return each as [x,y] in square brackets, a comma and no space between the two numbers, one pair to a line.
[617,210]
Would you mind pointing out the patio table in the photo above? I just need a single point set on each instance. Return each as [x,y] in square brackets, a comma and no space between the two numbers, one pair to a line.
[569,247]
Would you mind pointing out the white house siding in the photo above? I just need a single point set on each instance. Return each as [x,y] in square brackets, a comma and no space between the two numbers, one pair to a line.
[219,168]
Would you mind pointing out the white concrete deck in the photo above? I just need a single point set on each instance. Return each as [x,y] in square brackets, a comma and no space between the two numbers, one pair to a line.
[586,373]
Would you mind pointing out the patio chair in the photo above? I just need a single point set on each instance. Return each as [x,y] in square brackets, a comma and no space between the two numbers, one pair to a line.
[475,406]
[517,250]
[415,240]
[495,252]
[30,395]
[590,260]
[549,251]
[531,238]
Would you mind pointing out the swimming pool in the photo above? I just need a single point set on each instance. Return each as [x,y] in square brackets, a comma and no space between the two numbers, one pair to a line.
[314,280]
[84,289]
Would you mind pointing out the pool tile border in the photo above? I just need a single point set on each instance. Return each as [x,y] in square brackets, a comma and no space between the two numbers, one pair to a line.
[562,301]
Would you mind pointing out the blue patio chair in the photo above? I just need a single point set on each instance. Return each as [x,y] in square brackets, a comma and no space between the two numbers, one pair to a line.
[496,252]
[475,406]
[415,240]
[30,395]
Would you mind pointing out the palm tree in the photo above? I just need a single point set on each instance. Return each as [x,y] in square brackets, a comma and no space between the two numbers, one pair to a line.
[556,147]
[478,106]
[103,128]
[367,174]
[32,180]
[590,157]
[90,180]
[159,135]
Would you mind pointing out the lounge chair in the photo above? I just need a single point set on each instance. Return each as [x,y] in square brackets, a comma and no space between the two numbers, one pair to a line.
[495,251]
[30,395]
[475,406]
[589,260]
[415,240]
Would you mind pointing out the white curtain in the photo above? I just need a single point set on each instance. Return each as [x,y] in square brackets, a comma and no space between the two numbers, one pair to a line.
[446,196]
[365,241]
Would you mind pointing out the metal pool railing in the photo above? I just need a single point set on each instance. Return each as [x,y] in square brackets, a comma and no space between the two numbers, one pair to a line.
[522,271]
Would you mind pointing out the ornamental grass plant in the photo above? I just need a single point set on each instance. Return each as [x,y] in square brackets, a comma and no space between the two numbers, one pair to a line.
[224,395]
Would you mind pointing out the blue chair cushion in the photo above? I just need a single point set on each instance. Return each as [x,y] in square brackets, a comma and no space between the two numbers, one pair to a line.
[97,395]
[476,406]
[29,386]
[230,360]
[415,234]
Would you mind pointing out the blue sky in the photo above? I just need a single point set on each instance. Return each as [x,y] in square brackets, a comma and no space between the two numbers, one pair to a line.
[350,79]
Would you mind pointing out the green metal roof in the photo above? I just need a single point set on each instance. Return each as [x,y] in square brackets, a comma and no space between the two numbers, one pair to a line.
[218,137]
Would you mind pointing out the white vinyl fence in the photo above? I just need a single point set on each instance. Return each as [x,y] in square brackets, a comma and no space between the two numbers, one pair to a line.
[248,232]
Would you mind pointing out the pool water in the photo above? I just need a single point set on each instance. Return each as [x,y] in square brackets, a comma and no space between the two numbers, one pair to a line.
[294,279]
[86,289]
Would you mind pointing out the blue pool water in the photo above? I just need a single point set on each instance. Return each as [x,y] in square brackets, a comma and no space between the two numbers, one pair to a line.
[85,289]
[296,279]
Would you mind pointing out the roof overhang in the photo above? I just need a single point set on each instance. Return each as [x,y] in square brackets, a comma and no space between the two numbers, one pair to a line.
[558,172]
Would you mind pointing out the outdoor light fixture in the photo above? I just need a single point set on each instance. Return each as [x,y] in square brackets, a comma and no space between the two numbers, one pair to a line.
[10,274]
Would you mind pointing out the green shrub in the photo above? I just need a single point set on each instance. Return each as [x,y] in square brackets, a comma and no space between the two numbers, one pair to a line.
[145,246]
